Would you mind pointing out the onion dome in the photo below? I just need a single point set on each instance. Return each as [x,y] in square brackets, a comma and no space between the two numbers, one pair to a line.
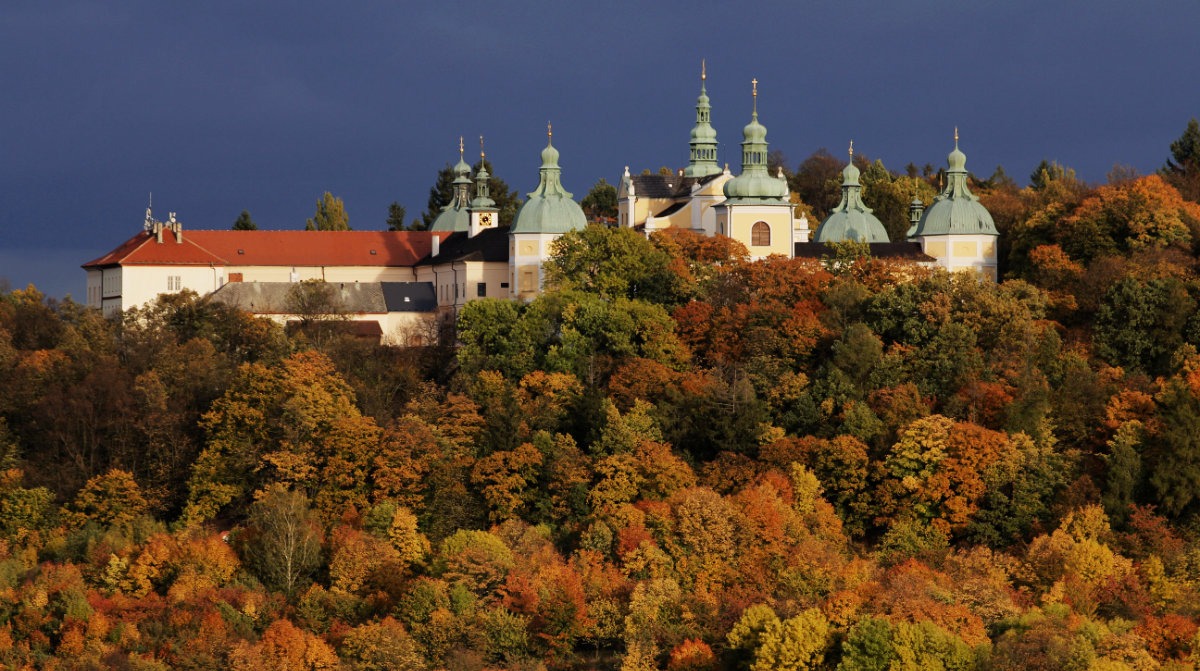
[955,211]
[851,219]
[454,216]
[703,160]
[755,184]
[549,208]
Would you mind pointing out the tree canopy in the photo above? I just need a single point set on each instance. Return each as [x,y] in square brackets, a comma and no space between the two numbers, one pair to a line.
[330,215]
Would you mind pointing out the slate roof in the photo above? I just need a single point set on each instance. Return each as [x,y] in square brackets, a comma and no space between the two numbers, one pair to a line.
[409,296]
[908,251]
[491,244]
[662,186]
[352,297]
[273,248]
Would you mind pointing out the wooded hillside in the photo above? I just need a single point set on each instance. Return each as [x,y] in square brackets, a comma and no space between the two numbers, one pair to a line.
[675,459]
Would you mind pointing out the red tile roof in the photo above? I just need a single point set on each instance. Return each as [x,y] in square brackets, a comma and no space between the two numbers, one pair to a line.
[273,248]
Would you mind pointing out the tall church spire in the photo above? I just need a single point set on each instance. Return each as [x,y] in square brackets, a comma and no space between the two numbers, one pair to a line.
[755,183]
[703,161]
[483,196]
[754,141]
[462,179]
[453,216]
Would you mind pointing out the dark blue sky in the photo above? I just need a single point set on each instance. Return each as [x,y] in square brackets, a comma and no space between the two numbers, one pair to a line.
[216,107]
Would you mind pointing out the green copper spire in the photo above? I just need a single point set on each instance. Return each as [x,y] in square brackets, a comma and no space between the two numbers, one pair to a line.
[955,211]
[462,180]
[483,197]
[549,208]
[703,161]
[454,215]
[755,184]
[915,209]
[851,219]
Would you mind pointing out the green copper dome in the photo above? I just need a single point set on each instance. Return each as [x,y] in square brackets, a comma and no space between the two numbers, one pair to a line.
[703,160]
[755,184]
[851,219]
[955,211]
[549,208]
[454,216]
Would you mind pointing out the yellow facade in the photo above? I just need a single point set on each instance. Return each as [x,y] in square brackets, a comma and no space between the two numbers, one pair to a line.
[739,222]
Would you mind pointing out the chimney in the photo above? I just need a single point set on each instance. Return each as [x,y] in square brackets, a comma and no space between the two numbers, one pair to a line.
[435,245]
[177,229]
[158,226]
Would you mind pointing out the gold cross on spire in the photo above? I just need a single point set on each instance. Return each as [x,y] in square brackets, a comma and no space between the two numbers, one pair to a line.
[482,155]
[549,131]
[956,136]
[460,147]
[754,83]
[852,150]
[703,71]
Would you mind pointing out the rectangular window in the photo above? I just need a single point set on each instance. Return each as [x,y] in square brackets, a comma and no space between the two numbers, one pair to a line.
[504,285]
[481,289]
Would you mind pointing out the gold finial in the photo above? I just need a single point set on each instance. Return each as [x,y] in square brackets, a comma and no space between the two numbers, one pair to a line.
[956,136]
[549,131]
[482,154]
[703,71]
[754,83]
[460,147]
[852,150]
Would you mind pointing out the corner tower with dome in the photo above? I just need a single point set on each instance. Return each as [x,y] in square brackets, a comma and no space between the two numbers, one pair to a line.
[757,210]
[549,212]
[851,219]
[956,229]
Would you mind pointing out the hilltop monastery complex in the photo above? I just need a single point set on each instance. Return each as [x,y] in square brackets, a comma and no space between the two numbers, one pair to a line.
[388,281]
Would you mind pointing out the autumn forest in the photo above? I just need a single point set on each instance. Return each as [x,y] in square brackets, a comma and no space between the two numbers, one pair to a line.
[675,458]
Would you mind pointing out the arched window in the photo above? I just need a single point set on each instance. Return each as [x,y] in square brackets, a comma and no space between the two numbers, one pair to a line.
[760,234]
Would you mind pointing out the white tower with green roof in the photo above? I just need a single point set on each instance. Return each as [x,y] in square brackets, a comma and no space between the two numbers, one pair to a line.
[756,210]
[956,229]
[548,212]
[454,215]
[483,211]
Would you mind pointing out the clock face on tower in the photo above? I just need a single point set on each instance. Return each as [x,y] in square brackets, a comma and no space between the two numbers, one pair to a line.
[485,219]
